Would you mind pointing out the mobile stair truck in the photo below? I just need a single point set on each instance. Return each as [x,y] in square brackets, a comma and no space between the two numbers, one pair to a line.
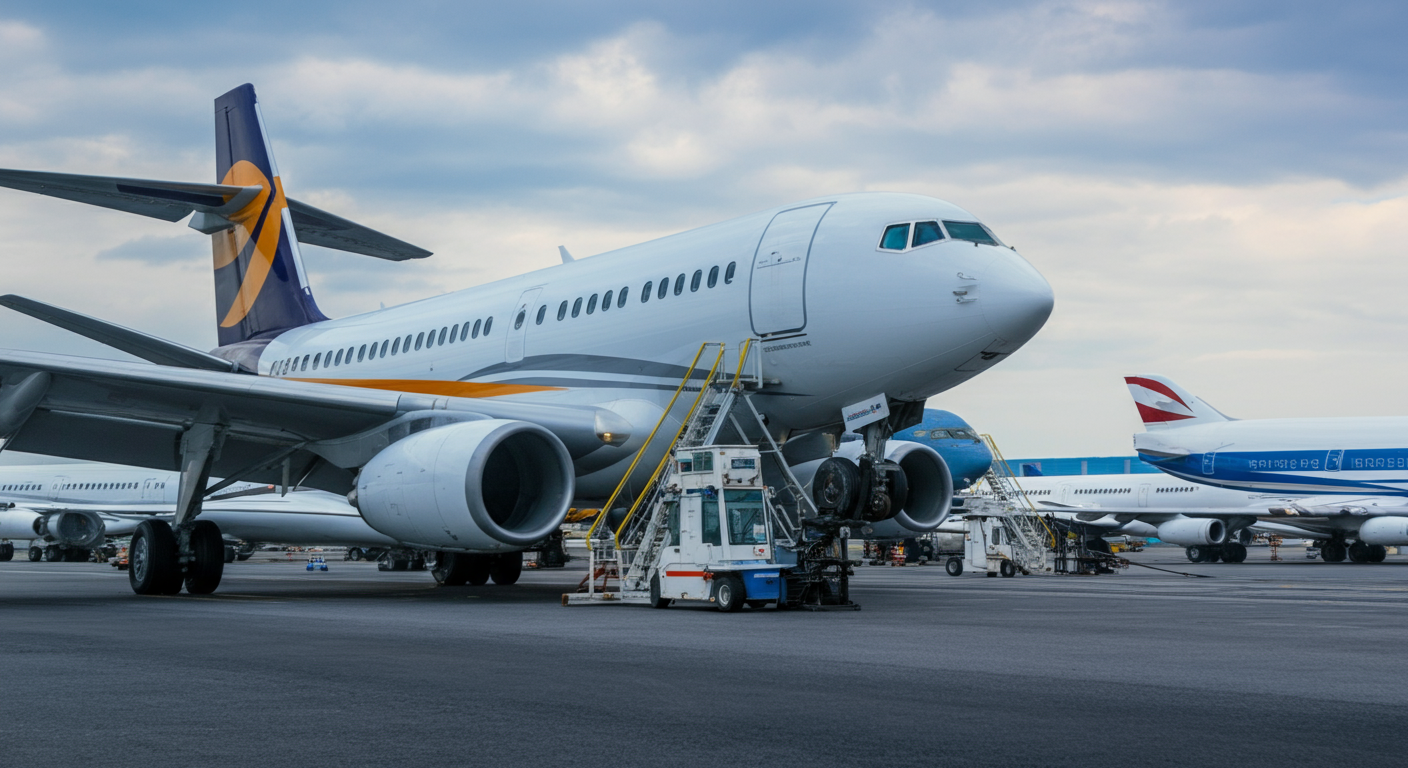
[708,525]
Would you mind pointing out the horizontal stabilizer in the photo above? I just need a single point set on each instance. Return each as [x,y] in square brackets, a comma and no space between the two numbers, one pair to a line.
[165,200]
[318,227]
[175,200]
[136,343]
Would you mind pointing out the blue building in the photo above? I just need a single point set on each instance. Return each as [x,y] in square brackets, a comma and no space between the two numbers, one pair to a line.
[1081,465]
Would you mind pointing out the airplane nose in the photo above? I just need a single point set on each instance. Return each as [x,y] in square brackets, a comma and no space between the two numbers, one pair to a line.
[1016,299]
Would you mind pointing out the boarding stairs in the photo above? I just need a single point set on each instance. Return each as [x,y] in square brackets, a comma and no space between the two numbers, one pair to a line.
[1030,538]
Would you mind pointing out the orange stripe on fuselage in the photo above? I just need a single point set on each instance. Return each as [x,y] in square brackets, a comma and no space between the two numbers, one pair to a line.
[432,387]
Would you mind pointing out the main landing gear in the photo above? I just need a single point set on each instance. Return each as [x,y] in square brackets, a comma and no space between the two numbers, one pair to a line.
[456,569]
[1335,551]
[1231,552]
[158,568]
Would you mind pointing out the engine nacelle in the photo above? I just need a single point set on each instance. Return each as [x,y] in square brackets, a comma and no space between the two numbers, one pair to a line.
[70,528]
[1193,531]
[478,486]
[930,487]
[18,524]
[1391,531]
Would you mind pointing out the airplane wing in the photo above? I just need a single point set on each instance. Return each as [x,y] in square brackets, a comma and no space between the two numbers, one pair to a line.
[175,200]
[272,430]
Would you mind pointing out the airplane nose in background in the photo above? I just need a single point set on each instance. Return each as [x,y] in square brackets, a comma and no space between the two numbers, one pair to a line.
[1016,300]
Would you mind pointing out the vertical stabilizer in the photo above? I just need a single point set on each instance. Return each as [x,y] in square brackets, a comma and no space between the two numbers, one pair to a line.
[1163,404]
[260,287]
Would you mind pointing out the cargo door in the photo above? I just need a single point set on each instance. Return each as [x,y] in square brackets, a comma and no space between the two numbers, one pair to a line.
[519,321]
[777,290]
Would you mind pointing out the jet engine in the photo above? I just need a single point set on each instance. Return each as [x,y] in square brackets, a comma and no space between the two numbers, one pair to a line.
[478,486]
[71,528]
[924,489]
[1392,531]
[18,523]
[1193,531]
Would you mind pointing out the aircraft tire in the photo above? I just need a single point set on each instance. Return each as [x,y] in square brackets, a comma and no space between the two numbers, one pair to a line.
[1233,553]
[728,593]
[208,548]
[1007,569]
[451,569]
[7,552]
[1359,552]
[154,568]
[53,554]
[1377,553]
[836,486]
[505,568]
[1197,554]
[1333,552]
[954,566]
[36,554]
[656,600]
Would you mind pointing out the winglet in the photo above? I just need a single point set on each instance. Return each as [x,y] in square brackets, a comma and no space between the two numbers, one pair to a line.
[566,257]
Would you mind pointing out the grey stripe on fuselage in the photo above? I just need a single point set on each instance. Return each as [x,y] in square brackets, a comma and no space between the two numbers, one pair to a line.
[591,364]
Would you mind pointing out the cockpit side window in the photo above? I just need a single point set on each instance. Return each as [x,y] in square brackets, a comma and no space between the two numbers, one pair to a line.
[971,231]
[896,237]
[926,232]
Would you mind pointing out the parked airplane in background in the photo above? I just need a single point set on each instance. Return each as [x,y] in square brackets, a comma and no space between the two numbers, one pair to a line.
[967,457]
[1349,475]
[468,422]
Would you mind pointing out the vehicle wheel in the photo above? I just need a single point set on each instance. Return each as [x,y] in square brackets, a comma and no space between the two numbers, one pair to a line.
[36,554]
[1008,569]
[388,563]
[53,554]
[357,554]
[505,568]
[451,569]
[1359,552]
[1196,554]
[1234,553]
[1377,553]
[656,601]
[728,594]
[479,569]
[7,551]
[154,569]
[204,572]
[1333,552]
[954,566]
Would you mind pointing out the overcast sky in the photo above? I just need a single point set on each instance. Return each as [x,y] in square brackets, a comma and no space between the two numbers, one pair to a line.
[1216,190]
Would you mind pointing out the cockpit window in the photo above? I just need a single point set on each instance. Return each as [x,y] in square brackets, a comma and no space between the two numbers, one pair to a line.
[939,434]
[896,236]
[926,232]
[969,230]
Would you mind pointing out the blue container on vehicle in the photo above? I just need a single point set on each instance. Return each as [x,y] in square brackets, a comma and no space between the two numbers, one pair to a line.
[763,585]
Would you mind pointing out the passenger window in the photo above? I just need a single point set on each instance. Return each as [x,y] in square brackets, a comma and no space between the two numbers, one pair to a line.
[645,292]
[694,281]
[969,230]
[518,320]
[350,350]
[713,276]
[606,301]
[562,311]
[621,299]
[396,345]
[487,325]
[383,349]
[679,284]
[474,334]
[305,363]
[577,307]
[926,232]
[338,361]
[542,312]
[464,331]
[454,331]
[406,344]
[728,273]
[419,337]
[316,358]
[362,353]
[664,288]
[591,304]
[711,522]
[896,236]
[441,338]
[430,338]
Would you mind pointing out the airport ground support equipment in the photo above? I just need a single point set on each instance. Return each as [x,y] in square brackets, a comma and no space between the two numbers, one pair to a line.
[709,526]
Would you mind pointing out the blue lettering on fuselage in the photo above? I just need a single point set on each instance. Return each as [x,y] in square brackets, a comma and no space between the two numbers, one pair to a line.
[1271,471]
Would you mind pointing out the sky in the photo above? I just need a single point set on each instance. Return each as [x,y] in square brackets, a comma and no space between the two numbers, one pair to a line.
[1217,192]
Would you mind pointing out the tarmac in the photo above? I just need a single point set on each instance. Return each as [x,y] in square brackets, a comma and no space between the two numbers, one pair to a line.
[1261,664]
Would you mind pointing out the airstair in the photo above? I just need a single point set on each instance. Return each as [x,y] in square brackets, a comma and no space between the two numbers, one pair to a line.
[622,559]
[1028,538]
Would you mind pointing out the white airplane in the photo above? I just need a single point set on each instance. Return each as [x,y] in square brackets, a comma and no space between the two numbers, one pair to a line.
[1350,476]
[73,508]
[468,422]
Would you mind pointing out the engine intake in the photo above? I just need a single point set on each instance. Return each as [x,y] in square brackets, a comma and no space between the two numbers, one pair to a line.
[1193,531]
[475,486]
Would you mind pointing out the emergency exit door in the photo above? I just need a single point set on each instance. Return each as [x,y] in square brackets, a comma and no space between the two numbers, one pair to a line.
[777,290]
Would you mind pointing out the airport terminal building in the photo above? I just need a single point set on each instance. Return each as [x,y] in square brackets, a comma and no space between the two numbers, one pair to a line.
[1081,465]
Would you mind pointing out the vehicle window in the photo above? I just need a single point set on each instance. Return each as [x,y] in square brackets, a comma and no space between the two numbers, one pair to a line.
[316,358]
[969,230]
[621,298]
[606,301]
[710,527]
[362,353]
[474,334]
[338,360]
[713,276]
[441,338]
[664,288]
[419,337]
[679,284]
[542,312]
[746,524]
[896,236]
[562,310]
[489,323]
[577,307]
[728,273]
[454,331]
[926,232]
[518,319]
[645,292]
[672,509]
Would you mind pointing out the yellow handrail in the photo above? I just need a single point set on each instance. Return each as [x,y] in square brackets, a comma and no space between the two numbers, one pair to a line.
[742,358]
[997,453]
[678,433]
[606,508]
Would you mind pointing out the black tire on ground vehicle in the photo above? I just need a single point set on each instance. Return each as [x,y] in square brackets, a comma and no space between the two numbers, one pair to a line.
[954,566]
[1358,552]
[505,568]
[229,554]
[728,593]
[7,551]
[152,557]
[451,569]
[204,572]
[1333,552]
[480,567]
[656,601]
[1377,553]
[1234,552]
[1007,568]
[36,554]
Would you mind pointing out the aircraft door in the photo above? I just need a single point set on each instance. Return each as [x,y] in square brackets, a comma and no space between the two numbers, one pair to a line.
[1334,459]
[519,321]
[1144,495]
[56,488]
[151,490]
[1065,493]
[776,291]
[1209,462]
